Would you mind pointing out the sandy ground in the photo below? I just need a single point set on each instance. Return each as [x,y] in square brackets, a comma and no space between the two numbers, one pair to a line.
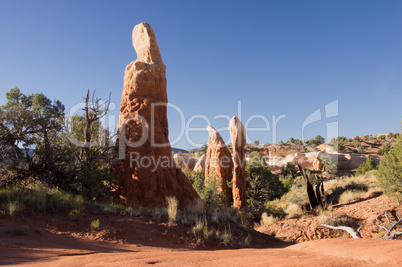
[329,252]
[57,240]
[41,247]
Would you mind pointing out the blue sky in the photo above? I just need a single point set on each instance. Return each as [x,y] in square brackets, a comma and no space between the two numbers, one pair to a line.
[276,57]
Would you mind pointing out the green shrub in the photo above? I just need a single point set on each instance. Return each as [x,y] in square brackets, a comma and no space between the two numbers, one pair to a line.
[360,148]
[208,193]
[113,208]
[390,171]
[227,236]
[381,137]
[390,136]
[76,214]
[64,202]
[272,209]
[287,176]
[385,148]
[7,194]
[339,145]
[366,167]
[261,186]
[95,224]
[255,158]
[12,207]
[329,163]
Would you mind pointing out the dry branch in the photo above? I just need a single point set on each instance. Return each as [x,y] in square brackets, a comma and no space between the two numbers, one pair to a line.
[354,233]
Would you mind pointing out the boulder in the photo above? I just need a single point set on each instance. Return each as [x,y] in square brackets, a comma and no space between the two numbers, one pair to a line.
[218,162]
[238,135]
[200,165]
[184,162]
[317,163]
[148,174]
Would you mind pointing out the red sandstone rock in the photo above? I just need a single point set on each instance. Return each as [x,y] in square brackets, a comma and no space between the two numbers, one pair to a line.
[238,134]
[185,162]
[148,173]
[200,165]
[218,163]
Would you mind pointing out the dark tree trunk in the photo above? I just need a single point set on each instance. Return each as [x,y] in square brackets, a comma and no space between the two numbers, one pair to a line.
[310,189]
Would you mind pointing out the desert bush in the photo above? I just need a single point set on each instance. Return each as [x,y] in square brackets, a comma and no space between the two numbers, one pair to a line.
[268,220]
[7,193]
[318,140]
[112,208]
[336,187]
[209,193]
[227,236]
[390,171]
[200,224]
[76,214]
[390,135]
[287,181]
[95,224]
[385,148]
[294,211]
[221,216]
[360,148]
[381,137]
[64,202]
[256,158]
[272,208]
[12,207]
[296,196]
[366,167]
[158,214]
[350,195]
[329,163]
[172,205]
[336,219]
[339,145]
[134,211]
[288,173]
[261,186]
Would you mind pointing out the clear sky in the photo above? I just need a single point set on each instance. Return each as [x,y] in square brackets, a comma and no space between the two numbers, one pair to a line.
[278,58]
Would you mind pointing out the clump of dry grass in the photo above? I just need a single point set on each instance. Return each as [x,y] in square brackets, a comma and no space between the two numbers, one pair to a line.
[268,220]
[335,219]
[293,211]
[350,195]
[172,205]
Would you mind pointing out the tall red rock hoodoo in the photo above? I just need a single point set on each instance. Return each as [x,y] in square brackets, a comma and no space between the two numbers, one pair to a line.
[238,134]
[218,163]
[148,173]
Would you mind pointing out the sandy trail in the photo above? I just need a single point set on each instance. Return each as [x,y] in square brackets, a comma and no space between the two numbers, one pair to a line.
[328,252]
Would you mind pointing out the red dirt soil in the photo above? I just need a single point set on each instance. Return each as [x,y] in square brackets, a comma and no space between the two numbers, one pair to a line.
[364,211]
[56,240]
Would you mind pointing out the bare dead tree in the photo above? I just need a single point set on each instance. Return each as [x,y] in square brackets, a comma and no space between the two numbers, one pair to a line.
[354,233]
[310,189]
[389,234]
[94,110]
[324,199]
[318,194]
